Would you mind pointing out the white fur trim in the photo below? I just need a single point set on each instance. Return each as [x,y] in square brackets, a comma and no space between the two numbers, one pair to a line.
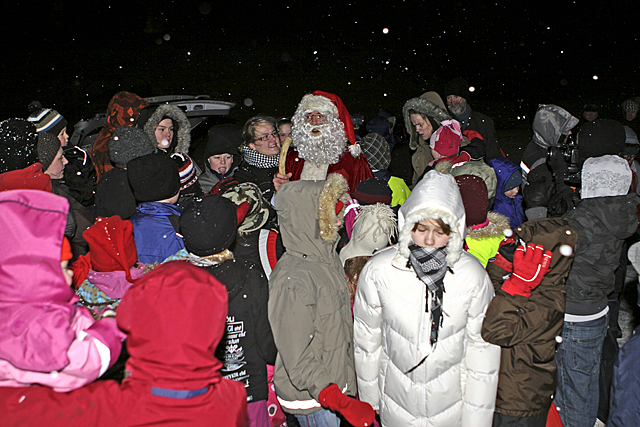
[317,103]
[355,150]
[454,245]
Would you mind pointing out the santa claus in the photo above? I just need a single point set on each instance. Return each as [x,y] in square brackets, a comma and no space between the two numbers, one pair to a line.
[324,142]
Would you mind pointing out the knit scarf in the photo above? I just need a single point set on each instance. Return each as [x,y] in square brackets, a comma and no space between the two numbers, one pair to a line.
[259,160]
[430,265]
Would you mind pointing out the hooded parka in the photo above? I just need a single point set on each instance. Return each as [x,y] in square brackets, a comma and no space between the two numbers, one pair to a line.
[431,105]
[527,328]
[455,384]
[309,306]
[182,137]
[549,124]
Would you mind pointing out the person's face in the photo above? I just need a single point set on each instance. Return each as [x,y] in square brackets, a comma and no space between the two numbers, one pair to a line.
[512,193]
[56,168]
[67,272]
[429,234]
[164,133]
[631,115]
[285,131]
[590,115]
[423,126]
[266,140]
[63,137]
[315,118]
[221,163]
[456,104]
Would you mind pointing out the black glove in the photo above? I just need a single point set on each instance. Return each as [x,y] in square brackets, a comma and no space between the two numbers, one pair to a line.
[557,164]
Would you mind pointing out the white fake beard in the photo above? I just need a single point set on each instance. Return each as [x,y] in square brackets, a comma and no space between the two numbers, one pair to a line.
[326,146]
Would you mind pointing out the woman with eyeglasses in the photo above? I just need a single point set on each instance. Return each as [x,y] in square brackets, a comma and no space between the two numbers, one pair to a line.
[261,151]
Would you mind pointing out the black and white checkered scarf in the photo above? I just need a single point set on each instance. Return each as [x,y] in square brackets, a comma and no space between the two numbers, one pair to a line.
[431,265]
[259,160]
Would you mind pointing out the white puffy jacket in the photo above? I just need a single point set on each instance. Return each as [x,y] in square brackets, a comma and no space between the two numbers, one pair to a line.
[456,384]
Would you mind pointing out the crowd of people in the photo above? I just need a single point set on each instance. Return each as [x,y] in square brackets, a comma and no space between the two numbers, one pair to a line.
[305,272]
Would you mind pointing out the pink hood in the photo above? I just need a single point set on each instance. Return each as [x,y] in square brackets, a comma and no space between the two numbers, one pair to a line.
[36,304]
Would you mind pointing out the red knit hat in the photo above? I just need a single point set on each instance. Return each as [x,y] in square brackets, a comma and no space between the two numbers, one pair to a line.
[111,245]
[447,138]
[475,199]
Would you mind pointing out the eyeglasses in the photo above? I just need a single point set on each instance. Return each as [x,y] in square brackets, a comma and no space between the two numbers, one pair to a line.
[314,116]
[267,137]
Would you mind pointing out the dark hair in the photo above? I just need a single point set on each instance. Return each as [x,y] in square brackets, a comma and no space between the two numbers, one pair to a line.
[283,121]
[446,229]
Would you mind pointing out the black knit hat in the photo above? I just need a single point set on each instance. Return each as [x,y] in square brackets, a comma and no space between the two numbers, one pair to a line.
[48,147]
[127,143]
[458,87]
[153,177]
[376,150]
[46,119]
[208,225]
[18,144]
[373,190]
[601,137]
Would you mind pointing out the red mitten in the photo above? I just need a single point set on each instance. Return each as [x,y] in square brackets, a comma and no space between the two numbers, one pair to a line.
[357,413]
[504,257]
[528,270]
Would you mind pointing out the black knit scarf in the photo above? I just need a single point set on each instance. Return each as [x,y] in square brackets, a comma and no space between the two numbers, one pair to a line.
[431,265]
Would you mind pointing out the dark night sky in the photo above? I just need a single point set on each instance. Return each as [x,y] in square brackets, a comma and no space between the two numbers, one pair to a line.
[74,56]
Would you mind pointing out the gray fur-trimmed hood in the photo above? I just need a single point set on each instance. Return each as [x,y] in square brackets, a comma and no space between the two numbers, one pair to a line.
[428,103]
[435,196]
[179,117]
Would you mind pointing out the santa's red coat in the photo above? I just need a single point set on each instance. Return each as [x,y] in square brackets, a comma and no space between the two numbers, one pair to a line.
[354,169]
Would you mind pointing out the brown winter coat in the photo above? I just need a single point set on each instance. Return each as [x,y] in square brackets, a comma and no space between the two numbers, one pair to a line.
[526,328]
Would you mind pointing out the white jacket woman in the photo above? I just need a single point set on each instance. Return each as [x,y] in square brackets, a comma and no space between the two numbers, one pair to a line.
[402,371]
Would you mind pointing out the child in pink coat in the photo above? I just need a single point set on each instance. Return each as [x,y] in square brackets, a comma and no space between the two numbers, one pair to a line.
[45,338]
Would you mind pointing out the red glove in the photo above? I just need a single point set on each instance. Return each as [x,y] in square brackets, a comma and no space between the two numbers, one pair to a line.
[528,270]
[357,413]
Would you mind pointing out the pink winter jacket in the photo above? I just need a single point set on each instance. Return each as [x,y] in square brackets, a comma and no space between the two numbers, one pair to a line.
[45,338]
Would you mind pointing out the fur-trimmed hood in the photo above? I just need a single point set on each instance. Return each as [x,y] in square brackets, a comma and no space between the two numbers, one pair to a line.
[497,224]
[183,134]
[428,103]
[435,196]
[307,215]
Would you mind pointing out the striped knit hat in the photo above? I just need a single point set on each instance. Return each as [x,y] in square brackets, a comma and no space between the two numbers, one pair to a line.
[46,119]
[187,170]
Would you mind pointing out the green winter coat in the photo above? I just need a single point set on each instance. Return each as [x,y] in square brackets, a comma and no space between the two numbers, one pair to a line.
[309,305]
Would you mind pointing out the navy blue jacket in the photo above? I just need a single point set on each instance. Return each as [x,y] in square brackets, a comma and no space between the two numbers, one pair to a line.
[154,234]
[511,208]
